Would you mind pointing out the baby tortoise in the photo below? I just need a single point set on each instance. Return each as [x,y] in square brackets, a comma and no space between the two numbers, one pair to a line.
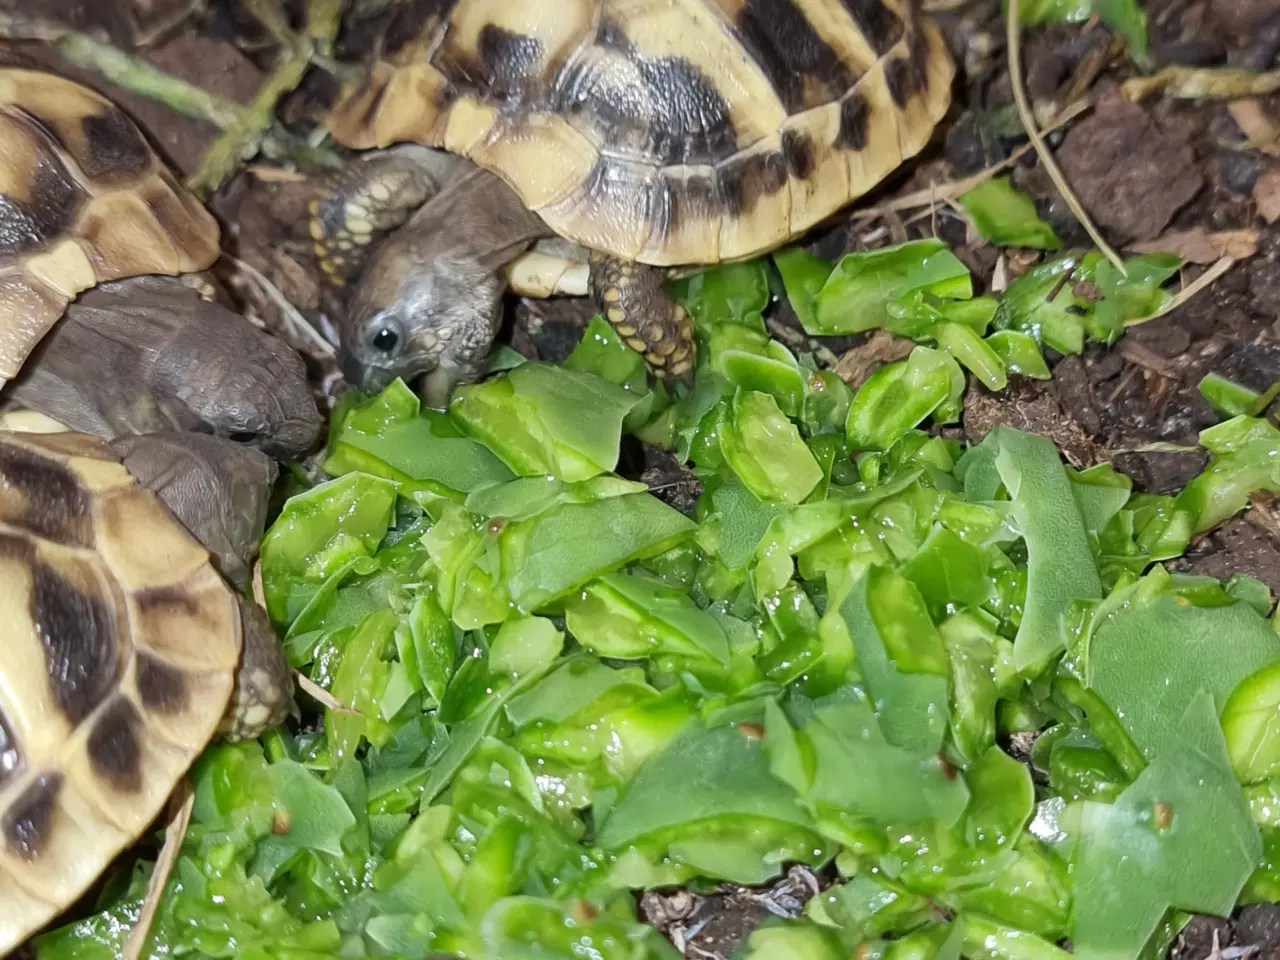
[652,133]
[83,200]
[125,650]
[150,354]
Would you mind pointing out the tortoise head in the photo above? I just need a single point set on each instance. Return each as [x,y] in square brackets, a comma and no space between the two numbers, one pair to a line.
[233,380]
[412,315]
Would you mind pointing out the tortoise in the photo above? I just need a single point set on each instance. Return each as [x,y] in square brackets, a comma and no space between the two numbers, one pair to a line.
[651,134]
[83,200]
[151,354]
[126,652]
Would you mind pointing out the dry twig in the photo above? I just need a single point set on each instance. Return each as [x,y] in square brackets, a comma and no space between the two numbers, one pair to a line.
[1203,83]
[1014,37]
[182,802]
[292,315]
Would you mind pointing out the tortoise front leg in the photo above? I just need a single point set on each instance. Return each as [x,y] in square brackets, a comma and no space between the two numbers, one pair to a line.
[635,301]
[263,692]
[372,197]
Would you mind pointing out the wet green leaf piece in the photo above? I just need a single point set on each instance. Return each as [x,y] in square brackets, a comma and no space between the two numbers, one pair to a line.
[902,657]
[766,450]
[1150,849]
[840,760]
[728,293]
[1160,647]
[629,616]
[804,276]
[860,289]
[391,436]
[1244,462]
[898,397]
[1251,723]
[1060,565]
[548,555]
[544,419]
[703,779]
[319,531]
[1007,217]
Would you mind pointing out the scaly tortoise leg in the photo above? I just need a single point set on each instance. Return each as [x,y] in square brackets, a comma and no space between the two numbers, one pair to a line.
[263,692]
[368,200]
[634,300]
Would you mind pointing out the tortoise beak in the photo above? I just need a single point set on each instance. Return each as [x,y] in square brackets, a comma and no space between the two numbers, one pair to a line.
[366,377]
[352,369]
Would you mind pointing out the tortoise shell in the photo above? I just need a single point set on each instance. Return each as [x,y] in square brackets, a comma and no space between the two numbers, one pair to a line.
[670,132]
[83,199]
[120,648]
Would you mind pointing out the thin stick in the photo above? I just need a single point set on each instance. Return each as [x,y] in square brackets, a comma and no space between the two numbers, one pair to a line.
[1014,41]
[321,695]
[957,188]
[1190,290]
[174,834]
[292,313]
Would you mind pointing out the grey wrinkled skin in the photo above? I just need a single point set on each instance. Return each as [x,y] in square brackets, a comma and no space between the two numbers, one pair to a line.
[148,354]
[217,488]
[429,300]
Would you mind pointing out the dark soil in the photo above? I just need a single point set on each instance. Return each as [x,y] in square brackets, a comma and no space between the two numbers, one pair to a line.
[1140,169]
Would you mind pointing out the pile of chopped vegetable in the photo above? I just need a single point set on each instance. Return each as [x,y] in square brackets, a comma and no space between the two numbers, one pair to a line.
[562,690]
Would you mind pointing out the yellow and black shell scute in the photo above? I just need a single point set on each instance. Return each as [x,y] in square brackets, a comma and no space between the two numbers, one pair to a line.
[83,199]
[670,132]
[120,645]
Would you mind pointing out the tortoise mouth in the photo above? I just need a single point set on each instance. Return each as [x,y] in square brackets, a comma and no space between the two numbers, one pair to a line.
[375,377]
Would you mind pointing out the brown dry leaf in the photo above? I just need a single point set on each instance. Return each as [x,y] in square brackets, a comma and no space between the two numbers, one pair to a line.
[1254,122]
[1199,246]
[859,362]
[1194,83]
[1266,194]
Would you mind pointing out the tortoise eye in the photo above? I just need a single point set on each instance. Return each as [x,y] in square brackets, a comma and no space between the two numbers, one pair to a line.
[386,340]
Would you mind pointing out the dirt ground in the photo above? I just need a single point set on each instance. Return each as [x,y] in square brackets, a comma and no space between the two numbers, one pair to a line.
[1144,171]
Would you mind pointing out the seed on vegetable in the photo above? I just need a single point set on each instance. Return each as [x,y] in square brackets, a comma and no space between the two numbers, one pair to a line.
[1162,816]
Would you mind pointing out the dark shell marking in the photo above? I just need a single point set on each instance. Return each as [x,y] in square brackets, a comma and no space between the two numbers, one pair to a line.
[38,495]
[27,824]
[115,753]
[28,225]
[162,688]
[11,759]
[78,632]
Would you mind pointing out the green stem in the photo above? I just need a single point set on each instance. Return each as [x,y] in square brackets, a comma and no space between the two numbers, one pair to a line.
[244,139]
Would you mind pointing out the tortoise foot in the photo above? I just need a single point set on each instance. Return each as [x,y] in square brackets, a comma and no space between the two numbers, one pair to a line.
[634,300]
